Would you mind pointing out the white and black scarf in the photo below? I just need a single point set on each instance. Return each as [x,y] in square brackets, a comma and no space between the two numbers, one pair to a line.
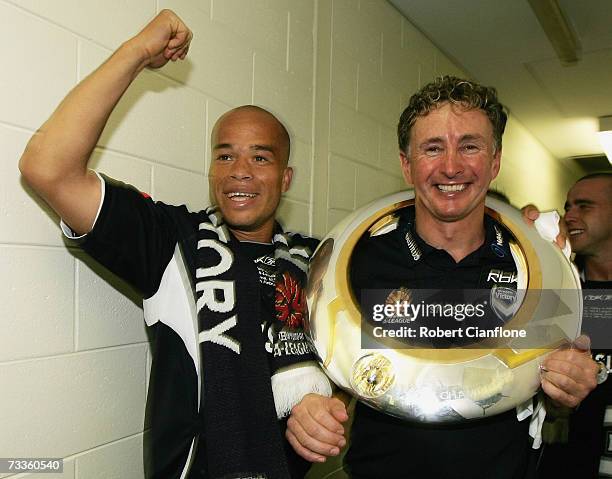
[253,375]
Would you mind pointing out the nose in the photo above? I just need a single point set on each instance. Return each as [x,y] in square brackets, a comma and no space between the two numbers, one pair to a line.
[571,214]
[241,169]
[452,164]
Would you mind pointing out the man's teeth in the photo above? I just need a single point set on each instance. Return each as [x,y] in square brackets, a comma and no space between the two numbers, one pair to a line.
[449,188]
[238,194]
[575,232]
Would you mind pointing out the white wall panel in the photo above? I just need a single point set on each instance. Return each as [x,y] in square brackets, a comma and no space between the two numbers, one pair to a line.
[294,216]
[353,134]
[56,407]
[219,62]
[287,95]
[389,150]
[125,168]
[37,308]
[300,52]
[178,187]
[342,177]
[262,23]
[110,22]
[344,78]
[118,460]
[301,162]
[38,72]
[372,184]
[106,316]
[334,216]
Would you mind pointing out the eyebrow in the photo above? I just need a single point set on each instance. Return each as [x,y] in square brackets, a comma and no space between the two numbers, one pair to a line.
[439,139]
[471,137]
[224,146]
[429,141]
[269,148]
[578,201]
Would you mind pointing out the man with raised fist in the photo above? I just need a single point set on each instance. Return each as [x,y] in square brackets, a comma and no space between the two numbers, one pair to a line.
[222,288]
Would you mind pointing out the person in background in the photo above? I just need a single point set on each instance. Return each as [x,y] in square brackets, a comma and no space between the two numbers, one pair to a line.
[581,439]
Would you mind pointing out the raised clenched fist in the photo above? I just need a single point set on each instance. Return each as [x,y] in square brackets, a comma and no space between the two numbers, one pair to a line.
[165,38]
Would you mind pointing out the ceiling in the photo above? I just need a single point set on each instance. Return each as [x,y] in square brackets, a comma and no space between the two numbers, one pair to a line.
[502,44]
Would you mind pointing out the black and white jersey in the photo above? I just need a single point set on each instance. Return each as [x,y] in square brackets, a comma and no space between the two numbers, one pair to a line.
[156,248]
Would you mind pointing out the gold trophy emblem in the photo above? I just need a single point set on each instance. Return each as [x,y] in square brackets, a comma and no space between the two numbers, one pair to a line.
[372,375]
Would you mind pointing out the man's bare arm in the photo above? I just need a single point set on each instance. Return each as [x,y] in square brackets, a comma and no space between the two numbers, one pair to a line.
[54,162]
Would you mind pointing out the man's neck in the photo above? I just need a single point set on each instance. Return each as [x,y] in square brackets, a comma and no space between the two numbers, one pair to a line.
[260,235]
[458,238]
[597,269]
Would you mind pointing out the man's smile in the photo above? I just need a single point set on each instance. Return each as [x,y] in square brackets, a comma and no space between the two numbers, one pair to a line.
[452,188]
[240,196]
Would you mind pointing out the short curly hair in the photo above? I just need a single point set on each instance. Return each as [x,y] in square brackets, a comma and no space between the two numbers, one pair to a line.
[455,90]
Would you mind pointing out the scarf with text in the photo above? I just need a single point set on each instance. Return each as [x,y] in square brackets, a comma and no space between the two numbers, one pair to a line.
[255,369]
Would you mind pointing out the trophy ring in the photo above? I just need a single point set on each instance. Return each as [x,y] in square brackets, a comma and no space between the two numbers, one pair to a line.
[432,384]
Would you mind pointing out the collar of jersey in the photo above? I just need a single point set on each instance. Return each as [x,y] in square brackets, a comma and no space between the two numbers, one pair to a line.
[424,251]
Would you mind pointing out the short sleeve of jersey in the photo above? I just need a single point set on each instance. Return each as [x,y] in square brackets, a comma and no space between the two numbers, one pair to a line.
[134,236]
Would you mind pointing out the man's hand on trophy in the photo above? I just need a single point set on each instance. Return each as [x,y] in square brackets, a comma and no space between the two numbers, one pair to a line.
[547,227]
[165,38]
[570,374]
[315,429]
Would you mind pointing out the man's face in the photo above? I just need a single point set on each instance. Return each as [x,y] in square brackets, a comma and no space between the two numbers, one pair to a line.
[451,162]
[588,215]
[248,172]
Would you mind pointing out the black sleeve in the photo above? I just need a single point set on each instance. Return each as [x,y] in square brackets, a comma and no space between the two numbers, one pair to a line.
[134,237]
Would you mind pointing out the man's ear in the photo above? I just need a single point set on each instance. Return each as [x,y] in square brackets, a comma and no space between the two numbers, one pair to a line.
[405,165]
[287,177]
[496,164]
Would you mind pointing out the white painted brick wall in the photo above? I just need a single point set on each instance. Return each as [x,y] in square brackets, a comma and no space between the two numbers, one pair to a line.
[109,312]
[121,459]
[353,134]
[342,174]
[37,308]
[42,69]
[179,187]
[108,23]
[74,360]
[67,404]
[301,162]
[221,62]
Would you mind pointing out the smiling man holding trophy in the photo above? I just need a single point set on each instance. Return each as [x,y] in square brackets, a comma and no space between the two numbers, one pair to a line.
[437,400]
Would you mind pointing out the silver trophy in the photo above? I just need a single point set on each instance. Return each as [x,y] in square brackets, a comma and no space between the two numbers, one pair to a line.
[437,385]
